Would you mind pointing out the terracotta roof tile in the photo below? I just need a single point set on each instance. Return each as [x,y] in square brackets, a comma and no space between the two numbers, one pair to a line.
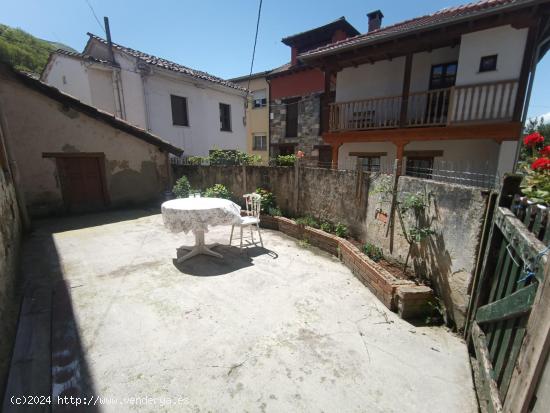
[440,17]
[167,64]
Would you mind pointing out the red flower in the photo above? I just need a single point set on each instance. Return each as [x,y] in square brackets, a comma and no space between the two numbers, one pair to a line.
[533,139]
[541,164]
[300,154]
[545,151]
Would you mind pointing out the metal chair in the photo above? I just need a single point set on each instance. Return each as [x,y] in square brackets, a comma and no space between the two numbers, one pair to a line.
[252,217]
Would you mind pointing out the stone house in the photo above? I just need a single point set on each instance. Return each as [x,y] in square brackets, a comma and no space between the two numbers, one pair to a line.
[72,157]
[296,91]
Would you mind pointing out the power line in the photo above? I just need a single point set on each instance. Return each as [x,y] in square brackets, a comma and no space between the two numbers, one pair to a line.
[95,15]
[254,49]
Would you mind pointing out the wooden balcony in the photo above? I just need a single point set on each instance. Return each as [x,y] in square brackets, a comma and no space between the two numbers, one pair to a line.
[458,105]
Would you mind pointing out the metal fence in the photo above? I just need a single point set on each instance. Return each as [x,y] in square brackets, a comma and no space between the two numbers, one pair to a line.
[482,175]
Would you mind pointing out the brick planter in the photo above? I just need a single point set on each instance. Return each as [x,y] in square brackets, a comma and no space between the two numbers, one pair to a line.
[411,301]
[269,222]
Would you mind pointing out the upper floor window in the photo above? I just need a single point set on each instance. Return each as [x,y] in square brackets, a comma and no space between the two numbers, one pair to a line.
[443,75]
[179,110]
[225,117]
[488,63]
[259,143]
[291,130]
[259,98]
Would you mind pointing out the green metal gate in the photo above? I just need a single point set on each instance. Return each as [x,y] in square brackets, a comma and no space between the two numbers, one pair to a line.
[513,264]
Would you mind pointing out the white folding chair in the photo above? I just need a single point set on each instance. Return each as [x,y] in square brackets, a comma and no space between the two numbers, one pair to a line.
[253,205]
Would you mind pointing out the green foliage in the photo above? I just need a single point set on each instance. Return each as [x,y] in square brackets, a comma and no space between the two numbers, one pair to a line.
[418,234]
[182,187]
[196,160]
[24,51]
[531,126]
[373,252]
[308,221]
[217,191]
[268,200]
[232,157]
[275,212]
[341,230]
[327,226]
[285,160]
[415,202]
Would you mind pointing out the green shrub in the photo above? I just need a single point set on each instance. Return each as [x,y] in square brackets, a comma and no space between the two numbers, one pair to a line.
[275,212]
[268,199]
[195,160]
[373,252]
[341,230]
[182,188]
[327,226]
[285,160]
[217,191]
[232,157]
[308,221]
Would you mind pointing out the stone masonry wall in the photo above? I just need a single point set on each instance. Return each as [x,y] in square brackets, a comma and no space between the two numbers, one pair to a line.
[361,201]
[10,235]
[309,110]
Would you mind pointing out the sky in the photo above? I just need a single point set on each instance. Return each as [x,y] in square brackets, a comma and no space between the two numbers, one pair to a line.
[217,36]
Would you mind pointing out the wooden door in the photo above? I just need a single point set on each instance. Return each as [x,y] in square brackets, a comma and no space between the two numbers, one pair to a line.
[82,183]
[325,156]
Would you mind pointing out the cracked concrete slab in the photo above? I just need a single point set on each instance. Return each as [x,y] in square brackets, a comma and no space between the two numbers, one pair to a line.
[288,328]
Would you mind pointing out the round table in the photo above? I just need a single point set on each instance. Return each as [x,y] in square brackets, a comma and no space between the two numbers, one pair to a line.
[197,214]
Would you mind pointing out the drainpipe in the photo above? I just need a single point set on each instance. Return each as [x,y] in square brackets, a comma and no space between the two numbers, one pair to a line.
[143,76]
[120,108]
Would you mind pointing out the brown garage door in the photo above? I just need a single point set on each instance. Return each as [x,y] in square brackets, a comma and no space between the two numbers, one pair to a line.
[82,183]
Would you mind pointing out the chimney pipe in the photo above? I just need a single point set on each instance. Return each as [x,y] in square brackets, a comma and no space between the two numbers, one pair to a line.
[375,20]
[109,42]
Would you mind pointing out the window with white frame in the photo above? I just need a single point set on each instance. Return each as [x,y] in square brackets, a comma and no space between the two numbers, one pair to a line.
[259,142]
[259,98]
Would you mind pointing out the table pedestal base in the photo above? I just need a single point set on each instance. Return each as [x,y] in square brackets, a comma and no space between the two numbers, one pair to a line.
[199,248]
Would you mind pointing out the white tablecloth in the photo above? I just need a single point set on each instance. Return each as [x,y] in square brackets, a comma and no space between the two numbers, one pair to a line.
[197,214]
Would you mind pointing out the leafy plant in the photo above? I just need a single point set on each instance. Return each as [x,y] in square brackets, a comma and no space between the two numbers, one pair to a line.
[268,200]
[373,252]
[182,187]
[536,169]
[217,191]
[232,157]
[274,212]
[327,226]
[286,160]
[308,221]
[341,230]
[196,160]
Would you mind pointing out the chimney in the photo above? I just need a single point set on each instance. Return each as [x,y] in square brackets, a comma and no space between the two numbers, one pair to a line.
[109,42]
[375,20]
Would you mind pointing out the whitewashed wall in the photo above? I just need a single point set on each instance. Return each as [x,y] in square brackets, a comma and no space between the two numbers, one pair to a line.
[69,75]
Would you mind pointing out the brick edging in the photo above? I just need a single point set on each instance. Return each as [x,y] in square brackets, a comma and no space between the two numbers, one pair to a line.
[409,300]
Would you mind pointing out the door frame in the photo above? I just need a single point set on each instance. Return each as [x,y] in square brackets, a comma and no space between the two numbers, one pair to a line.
[100,156]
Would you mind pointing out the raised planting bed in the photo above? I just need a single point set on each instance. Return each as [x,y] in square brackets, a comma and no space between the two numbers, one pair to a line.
[410,300]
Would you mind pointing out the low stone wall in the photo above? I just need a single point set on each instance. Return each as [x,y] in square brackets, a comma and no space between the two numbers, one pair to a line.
[362,202]
[10,236]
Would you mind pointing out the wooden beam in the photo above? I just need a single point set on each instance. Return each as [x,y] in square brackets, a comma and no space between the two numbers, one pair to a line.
[504,131]
[432,154]
[526,66]
[367,154]
[511,306]
[533,354]
[490,387]
[405,91]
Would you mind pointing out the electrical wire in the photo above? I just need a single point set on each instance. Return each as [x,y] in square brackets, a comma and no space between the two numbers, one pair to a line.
[95,15]
[254,49]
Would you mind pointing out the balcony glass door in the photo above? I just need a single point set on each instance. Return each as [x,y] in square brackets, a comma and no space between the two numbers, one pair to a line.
[442,76]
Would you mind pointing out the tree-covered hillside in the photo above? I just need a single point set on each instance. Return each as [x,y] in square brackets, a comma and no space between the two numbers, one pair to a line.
[24,51]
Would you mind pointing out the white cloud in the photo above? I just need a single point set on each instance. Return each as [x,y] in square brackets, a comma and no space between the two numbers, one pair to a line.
[546,117]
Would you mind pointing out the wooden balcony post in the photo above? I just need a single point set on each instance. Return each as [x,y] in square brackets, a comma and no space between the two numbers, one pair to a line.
[400,153]
[526,66]
[325,112]
[406,89]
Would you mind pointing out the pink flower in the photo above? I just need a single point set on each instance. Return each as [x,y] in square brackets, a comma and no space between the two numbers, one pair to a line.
[300,154]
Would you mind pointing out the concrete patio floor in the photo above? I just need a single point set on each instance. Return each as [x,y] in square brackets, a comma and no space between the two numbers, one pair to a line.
[285,329]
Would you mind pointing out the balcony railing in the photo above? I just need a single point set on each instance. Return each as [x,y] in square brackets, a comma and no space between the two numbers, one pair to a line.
[455,105]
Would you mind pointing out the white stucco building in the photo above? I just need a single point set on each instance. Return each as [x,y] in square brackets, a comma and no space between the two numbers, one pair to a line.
[191,109]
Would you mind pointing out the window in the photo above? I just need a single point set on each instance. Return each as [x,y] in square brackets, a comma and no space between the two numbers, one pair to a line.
[371,163]
[225,117]
[443,75]
[259,98]
[291,117]
[259,143]
[488,63]
[420,166]
[179,111]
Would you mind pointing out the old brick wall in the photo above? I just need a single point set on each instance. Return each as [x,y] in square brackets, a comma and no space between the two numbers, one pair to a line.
[454,212]
[10,235]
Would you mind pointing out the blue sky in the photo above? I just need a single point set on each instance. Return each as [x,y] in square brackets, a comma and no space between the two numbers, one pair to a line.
[217,36]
